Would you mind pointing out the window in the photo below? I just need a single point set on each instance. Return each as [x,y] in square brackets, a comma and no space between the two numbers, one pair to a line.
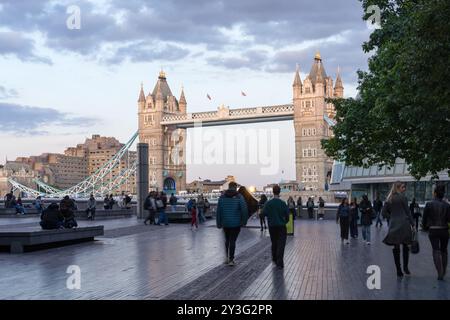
[314,131]
[307,90]
[309,132]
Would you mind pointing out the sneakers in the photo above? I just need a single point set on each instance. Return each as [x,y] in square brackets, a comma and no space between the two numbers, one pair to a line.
[347,242]
[368,243]
[231,263]
[226,261]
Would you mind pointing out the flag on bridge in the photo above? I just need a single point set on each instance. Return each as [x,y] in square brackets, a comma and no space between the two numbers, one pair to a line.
[208,96]
[243,93]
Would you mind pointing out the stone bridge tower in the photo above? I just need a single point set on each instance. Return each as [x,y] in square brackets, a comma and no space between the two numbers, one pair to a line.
[313,167]
[167,145]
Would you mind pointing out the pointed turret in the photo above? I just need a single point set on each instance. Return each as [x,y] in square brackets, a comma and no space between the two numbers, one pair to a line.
[182,103]
[141,94]
[339,87]
[297,85]
[317,73]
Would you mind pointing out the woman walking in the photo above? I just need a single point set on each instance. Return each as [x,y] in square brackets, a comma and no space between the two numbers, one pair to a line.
[436,219]
[342,218]
[366,218]
[354,218]
[291,206]
[262,219]
[400,225]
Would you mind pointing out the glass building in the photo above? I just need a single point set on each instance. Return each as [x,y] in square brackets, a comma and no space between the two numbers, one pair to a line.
[374,180]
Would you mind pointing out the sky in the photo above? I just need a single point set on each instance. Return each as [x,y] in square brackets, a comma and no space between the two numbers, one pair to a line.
[60,84]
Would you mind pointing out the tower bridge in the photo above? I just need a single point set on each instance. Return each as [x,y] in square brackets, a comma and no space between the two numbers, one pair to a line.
[161,115]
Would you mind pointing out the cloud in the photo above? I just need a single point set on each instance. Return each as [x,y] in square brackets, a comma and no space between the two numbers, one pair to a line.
[28,120]
[251,59]
[199,22]
[7,93]
[14,44]
[143,52]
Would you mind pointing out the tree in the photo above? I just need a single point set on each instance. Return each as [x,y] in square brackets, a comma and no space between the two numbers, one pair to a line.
[403,106]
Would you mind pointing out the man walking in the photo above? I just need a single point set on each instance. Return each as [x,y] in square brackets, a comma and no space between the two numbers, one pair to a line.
[377,206]
[232,214]
[277,213]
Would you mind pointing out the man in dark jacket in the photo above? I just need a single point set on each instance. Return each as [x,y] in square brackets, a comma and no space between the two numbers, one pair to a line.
[68,207]
[232,214]
[436,219]
[366,217]
[51,218]
[277,213]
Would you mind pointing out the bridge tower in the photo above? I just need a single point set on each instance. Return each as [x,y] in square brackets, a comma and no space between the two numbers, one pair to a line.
[167,144]
[313,167]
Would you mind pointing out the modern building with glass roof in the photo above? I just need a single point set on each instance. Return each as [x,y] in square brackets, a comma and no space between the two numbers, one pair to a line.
[356,181]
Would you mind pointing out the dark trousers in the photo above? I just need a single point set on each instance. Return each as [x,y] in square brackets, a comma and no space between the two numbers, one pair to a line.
[150,217]
[231,235]
[90,213]
[439,239]
[344,223]
[262,221]
[310,213]
[278,237]
[417,222]
[354,227]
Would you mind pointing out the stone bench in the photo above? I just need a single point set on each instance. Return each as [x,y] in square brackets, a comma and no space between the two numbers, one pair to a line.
[107,214]
[21,237]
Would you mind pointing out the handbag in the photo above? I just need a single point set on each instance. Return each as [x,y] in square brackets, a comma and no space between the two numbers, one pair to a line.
[415,248]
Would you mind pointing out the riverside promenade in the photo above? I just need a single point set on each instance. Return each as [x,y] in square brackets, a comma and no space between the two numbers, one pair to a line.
[133,261]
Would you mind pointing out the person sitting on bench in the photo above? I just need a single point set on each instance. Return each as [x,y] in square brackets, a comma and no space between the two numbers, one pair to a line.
[67,209]
[52,218]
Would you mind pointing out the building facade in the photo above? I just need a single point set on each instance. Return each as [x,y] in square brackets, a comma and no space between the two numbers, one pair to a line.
[313,167]
[167,144]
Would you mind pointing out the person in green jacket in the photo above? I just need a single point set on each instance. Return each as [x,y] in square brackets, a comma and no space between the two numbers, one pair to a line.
[277,213]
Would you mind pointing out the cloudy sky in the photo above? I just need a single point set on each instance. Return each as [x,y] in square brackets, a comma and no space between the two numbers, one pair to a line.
[60,85]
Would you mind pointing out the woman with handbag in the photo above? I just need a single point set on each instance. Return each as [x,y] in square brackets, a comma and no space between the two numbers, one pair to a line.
[401,225]
[436,218]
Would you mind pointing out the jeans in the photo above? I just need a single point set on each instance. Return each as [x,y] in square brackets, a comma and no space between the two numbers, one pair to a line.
[278,237]
[354,227]
[201,216]
[231,235]
[262,221]
[174,207]
[39,208]
[90,213]
[378,213]
[20,209]
[163,217]
[366,233]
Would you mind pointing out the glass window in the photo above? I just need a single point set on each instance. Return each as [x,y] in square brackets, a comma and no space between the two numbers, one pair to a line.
[389,171]
[366,171]
[398,169]
[359,172]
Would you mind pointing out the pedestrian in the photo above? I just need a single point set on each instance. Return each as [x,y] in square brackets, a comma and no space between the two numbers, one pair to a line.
[366,217]
[161,204]
[342,217]
[232,214]
[436,220]
[291,206]
[91,207]
[401,225]
[299,206]
[127,202]
[150,205]
[415,212]
[106,203]
[321,208]
[67,207]
[353,218]
[173,202]
[194,215]
[39,204]
[8,199]
[207,205]
[111,202]
[377,206]
[310,207]
[277,213]
[200,207]
[19,206]
[262,218]
[51,218]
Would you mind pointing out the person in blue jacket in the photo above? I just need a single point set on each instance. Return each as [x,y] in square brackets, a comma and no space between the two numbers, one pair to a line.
[232,214]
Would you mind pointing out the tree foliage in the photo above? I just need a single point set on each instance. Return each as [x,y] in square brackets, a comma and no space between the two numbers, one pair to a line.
[403,106]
